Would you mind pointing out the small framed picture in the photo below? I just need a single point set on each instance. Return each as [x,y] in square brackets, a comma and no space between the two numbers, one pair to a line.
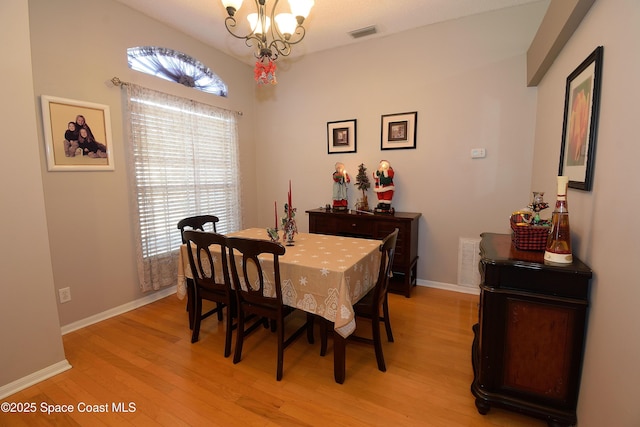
[398,131]
[580,125]
[341,136]
[77,135]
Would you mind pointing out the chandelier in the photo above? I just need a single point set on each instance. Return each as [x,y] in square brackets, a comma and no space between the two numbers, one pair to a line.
[271,41]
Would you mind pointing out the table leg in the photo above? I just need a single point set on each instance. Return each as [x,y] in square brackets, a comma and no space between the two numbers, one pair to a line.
[339,357]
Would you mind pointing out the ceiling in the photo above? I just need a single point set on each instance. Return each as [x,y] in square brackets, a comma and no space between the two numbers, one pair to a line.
[328,24]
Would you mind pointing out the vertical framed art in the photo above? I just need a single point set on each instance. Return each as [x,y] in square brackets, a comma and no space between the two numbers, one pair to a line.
[580,125]
[77,135]
[398,131]
[341,136]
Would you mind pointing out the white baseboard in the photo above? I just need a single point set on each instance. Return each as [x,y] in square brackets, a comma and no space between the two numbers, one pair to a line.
[34,378]
[475,290]
[118,310]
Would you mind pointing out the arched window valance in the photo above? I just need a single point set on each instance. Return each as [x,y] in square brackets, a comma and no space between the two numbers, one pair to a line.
[177,67]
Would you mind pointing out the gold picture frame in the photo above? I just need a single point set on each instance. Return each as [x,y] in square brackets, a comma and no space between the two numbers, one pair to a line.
[96,153]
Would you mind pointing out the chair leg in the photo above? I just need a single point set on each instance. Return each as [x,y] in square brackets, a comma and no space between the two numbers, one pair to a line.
[239,337]
[190,302]
[377,342]
[197,314]
[219,307]
[280,332]
[387,322]
[227,339]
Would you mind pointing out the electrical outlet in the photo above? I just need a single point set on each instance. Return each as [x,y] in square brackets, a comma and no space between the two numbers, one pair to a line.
[64,294]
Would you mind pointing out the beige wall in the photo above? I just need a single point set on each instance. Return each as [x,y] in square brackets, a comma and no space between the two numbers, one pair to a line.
[466,78]
[30,333]
[88,213]
[603,224]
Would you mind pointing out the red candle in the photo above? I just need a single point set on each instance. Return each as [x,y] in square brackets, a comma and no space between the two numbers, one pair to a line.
[289,197]
[275,210]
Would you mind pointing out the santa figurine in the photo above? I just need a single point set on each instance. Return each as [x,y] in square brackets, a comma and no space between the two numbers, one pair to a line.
[384,187]
[340,181]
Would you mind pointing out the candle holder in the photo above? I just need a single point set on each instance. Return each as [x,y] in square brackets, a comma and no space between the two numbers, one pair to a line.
[289,226]
[289,232]
[273,234]
[288,220]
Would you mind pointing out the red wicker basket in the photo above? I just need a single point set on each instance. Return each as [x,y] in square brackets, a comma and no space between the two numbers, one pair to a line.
[528,237]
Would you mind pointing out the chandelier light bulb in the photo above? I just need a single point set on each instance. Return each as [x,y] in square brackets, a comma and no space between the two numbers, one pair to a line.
[286,24]
[232,6]
[301,8]
[256,24]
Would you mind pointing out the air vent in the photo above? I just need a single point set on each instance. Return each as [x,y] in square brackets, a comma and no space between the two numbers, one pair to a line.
[363,32]
[468,259]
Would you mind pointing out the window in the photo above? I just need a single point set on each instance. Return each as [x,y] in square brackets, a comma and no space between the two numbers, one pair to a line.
[184,159]
[175,66]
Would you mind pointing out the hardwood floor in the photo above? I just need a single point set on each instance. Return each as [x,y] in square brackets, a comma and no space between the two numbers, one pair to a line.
[145,358]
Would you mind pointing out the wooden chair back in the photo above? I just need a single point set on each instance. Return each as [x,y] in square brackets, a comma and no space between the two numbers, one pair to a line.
[198,222]
[210,281]
[251,283]
[388,250]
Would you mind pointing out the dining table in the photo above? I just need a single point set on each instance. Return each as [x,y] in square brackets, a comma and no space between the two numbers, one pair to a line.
[320,274]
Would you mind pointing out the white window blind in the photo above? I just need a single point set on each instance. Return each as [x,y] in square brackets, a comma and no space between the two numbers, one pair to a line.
[184,156]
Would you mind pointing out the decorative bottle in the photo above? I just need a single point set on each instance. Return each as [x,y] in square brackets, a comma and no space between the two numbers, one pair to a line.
[559,241]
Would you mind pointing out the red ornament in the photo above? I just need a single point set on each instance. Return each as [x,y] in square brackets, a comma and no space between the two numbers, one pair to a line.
[265,73]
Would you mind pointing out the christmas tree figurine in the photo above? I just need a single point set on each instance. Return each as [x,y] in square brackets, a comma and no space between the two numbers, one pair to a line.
[363,184]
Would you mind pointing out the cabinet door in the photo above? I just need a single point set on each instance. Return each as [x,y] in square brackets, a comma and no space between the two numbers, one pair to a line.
[322,224]
[542,349]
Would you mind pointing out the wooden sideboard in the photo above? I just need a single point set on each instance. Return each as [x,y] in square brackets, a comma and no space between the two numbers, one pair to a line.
[378,226]
[529,342]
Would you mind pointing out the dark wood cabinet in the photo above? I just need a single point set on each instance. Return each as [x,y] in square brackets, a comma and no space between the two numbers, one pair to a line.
[529,341]
[377,226]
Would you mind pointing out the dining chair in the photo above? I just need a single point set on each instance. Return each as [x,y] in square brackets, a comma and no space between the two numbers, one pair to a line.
[209,285]
[203,223]
[198,222]
[257,294]
[370,305]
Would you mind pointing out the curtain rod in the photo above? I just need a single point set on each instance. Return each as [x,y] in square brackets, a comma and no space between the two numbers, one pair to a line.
[117,82]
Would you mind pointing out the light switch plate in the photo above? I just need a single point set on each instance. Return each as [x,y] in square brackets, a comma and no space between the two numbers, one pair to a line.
[478,153]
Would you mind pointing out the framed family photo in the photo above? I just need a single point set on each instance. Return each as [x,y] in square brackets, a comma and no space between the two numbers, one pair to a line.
[580,125]
[341,136]
[77,135]
[398,131]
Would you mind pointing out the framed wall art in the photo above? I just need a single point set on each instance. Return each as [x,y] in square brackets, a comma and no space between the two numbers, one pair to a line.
[77,135]
[580,125]
[399,131]
[341,136]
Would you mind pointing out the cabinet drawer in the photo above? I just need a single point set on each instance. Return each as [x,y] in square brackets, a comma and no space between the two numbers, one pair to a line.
[353,228]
